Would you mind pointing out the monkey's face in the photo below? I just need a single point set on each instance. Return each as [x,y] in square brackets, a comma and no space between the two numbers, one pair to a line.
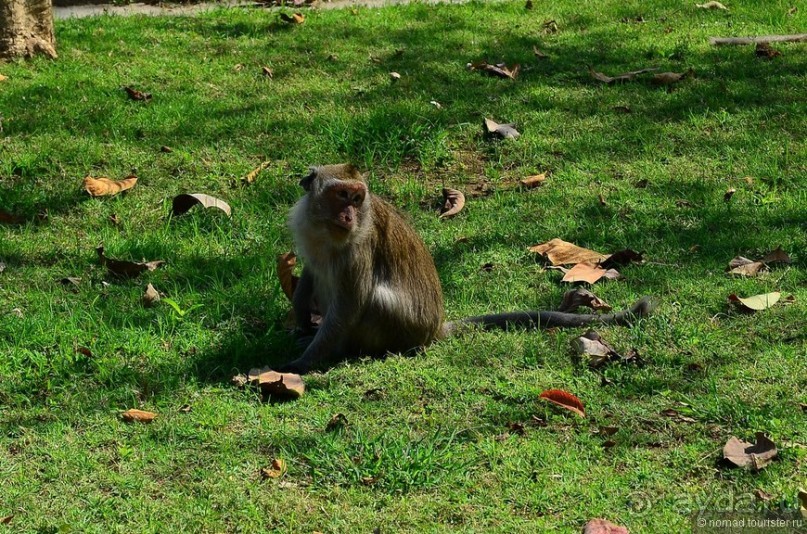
[343,202]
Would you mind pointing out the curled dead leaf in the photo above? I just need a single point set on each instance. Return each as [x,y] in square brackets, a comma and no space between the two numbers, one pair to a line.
[776,256]
[286,386]
[126,269]
[102,187]
[537,53]
[560,252]
[755,303]
[285,270]
[575,298]
[182,203]
[454,202]
[622,258]
[294,18]
[603,526]
[589,273]
[766,51]
[564,399]
[269,73]
[134,94]
[394,76]
[276,470]
[337,422]
[7,519]
[728,194]
[150,297]
[503,131]
[138,416]
[253,174]
[742,454]
[70,281]
[675,414]
[712,5]
[745,267]
[534,180]
[668,78]
[499,69]
[597,349]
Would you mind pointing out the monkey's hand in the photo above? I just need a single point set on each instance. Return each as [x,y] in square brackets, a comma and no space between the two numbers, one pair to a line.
[302,303]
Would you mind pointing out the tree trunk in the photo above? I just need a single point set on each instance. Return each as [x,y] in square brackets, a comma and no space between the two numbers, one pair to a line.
[26,28]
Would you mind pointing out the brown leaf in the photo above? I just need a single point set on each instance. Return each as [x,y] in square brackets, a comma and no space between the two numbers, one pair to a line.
[134,94]
[503,131]
[550,26]
[337,422]
[101,187]
[749,268]
[253,174]
[728,194]
[712,5]
[150,297]
[762,495]
[565,400]
[500,69]
[601,200]
[589,273]
[294,18]
[269,73]
[454,202]
[166,149]
[603,526]
[766,51]
[125,269]
[790,12]
[6,520]
[560,252]
[182,203]
[285,270]
[575,298]
[276,470]
[622,258]
[3,78]
[287,386]
[70,281]
[394,76]
[185,408]
[608,430]
[534,181]
[134,415]
[675,414]
[84,351]
[537,53]
[776,256]
[755,303]
[743,454]
[597,349]
[7,218]
[599,76]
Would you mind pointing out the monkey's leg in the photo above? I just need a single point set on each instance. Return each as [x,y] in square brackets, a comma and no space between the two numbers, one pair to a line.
[301,302]
[328,342]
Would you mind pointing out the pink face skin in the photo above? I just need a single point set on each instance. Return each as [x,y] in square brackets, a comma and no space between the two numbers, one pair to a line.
[343,201]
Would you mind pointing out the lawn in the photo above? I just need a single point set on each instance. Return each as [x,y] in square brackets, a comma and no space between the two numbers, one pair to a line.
[454,438]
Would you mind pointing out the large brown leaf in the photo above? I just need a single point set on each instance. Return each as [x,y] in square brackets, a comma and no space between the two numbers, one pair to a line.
[138,416]
[757,456]
[287,386]
[285,272]
[102,186]
[560,252]
[755,303]
[182,203]
[589,273]
[125,269]
[564,399]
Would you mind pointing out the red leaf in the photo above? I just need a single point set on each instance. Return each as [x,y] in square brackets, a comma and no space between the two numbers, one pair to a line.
[564,399]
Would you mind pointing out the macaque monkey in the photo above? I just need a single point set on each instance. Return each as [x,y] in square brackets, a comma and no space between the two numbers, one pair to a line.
[375,282]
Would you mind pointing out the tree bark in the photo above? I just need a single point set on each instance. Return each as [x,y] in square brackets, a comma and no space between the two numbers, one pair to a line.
[26,28]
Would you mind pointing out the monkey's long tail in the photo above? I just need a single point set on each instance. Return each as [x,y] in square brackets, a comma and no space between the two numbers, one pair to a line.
[547,319]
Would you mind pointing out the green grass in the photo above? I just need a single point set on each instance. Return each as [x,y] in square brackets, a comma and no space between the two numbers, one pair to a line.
[425,449]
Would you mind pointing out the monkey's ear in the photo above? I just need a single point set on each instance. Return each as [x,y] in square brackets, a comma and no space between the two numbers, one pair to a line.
[305,183]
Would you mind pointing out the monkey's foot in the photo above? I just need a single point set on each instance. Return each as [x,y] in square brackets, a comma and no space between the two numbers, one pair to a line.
[298,366]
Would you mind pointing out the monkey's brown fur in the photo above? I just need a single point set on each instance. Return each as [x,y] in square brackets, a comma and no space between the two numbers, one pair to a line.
[373,279]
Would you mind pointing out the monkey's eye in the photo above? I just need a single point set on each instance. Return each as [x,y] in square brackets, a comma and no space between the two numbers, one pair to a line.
[342,194]
[357,199]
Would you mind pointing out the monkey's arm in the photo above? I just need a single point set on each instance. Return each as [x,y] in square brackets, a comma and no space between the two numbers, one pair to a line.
[547,319]
[329,341]
[301,302]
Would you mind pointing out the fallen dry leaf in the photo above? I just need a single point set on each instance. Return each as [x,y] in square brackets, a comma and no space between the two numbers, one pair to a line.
[185,408]
[394,76]
[803,502]
[766,51]
[125,269]
[166,149]
[712,5]
[622,258]
[792,11]
[668,78]
[253,174]
[601,200]
[276,470]
[675,414]
[755,303]
[7,218]
[454,202]
[575,298]
[762,495]
[603,526]
[6,520]
[294,18]
[3,78]
[503,131]
[150,297]
[134,94]
[269,73]
[182,203]
[745,267]
[499,69]
[102,187]
[337,422]
[70,281]
[280,385]
[138,416]
[84,351]
[565,400]
[550,26]
[534,181]
[537,53]
[728,194]
[584,272]
[743,454]
[776,256]
[285,270]
[560,252]
[597,349]
[599,76]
